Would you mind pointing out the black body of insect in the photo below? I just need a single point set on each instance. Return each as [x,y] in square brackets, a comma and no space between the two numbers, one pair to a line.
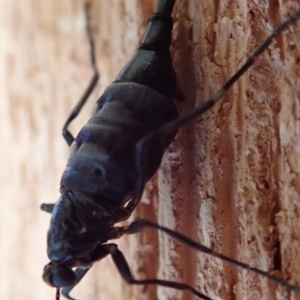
[116,153]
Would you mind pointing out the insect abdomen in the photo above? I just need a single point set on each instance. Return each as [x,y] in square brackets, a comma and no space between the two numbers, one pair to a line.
[140,101]
[102,158]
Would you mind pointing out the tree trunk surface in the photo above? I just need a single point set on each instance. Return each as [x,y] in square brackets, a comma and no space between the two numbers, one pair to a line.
[230,179]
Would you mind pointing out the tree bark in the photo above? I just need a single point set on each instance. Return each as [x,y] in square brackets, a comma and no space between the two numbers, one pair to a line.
[230,180]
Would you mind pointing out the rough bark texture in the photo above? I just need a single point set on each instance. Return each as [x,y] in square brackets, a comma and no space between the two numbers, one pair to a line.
[229,180]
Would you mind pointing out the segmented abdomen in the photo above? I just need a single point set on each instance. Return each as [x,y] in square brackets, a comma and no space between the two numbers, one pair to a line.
[102,157]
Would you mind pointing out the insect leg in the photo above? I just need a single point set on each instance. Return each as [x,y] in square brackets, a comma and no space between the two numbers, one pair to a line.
[98,253]
[125,272]
[47,207]
[141,146]
[79,272]
[138,225]
[66,133]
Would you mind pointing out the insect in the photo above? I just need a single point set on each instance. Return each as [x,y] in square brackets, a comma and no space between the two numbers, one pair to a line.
[114,156]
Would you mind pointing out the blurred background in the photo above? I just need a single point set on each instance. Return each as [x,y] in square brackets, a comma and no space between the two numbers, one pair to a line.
[44,67]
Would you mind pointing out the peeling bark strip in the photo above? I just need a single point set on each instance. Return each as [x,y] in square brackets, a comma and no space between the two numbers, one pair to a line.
[229,181]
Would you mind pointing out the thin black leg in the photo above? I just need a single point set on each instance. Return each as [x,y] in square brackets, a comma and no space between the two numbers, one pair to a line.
[141,146]
[138,225]
[66,133]
[125,272]
[79,275]
[47,207]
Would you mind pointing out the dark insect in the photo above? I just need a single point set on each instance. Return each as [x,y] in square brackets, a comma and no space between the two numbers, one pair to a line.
[116,153]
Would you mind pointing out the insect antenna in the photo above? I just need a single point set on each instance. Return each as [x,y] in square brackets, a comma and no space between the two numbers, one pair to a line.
[57,296]
[138,225]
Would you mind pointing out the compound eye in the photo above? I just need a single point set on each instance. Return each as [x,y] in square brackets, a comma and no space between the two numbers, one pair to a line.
[58,276]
